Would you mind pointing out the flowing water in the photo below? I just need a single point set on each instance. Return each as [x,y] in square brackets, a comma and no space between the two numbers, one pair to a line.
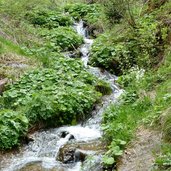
[42,153]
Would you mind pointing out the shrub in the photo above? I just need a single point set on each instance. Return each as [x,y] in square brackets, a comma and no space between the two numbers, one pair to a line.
[13,125]
[49,18]
[64,37]
[80,10]
[91,13]
[112,56]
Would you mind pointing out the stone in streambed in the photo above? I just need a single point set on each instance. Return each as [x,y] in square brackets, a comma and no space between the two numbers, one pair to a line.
[77,151]
[79,155]
[63,134]
[37,166]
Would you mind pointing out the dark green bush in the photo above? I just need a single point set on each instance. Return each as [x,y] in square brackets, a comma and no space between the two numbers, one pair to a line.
[64,37]
[88,12]
[13,125]
[48,18]
[80,10]
[112,56]
[115,9]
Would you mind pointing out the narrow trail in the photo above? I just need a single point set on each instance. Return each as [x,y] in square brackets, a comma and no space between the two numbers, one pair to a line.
[139,156]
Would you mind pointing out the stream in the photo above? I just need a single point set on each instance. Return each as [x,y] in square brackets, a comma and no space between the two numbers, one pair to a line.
[60,149]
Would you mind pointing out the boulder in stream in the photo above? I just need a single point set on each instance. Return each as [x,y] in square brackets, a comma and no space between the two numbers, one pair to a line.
[39,167]
[77,151]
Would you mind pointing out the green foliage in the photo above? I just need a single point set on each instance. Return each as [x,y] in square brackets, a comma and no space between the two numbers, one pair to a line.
[93,15]
[103,87]
[166,123]
[65,93]
[48,18]
[18,8]
[114,9]
[64,37]
[13,125]
[131,78]
[120,123]
[146,100]
[112,54]
[140,46]
[108,160]
[163,161]
[118,10]
[88,12]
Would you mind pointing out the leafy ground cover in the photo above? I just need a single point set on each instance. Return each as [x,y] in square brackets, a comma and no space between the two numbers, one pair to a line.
[58,90]
[67,92]
[13,125]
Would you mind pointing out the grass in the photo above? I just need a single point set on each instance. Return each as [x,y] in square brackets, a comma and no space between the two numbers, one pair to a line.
[8,46]
[146,102]
[10,54]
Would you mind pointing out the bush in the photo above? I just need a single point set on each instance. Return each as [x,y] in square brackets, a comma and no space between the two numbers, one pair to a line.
[13,125]
[65,93]
[114,9]
[64,37]
[142,46]
[80,10]
[48,18]
[112,54]
[91,13]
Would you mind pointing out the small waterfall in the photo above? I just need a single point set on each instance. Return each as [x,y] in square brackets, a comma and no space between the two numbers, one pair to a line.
[41,154]
[85,48]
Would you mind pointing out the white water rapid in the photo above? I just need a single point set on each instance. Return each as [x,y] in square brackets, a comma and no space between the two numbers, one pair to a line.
[41,154]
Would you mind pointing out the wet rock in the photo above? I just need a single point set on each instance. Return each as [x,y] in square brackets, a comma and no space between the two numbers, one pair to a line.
[63,134]
[66,156]
[79,155]
[71,137]
[93,163]
[3,82]
[74,54]
[77,151]
[38,167]
[28,139]
[94,31]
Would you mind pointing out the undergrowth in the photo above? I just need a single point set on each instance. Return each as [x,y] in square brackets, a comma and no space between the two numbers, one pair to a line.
[146,98]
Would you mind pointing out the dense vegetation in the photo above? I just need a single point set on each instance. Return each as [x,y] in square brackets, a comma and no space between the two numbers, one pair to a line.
[55,90]
[141,54]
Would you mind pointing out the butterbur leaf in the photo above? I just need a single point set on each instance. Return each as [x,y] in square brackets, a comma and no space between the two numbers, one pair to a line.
[108,160]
